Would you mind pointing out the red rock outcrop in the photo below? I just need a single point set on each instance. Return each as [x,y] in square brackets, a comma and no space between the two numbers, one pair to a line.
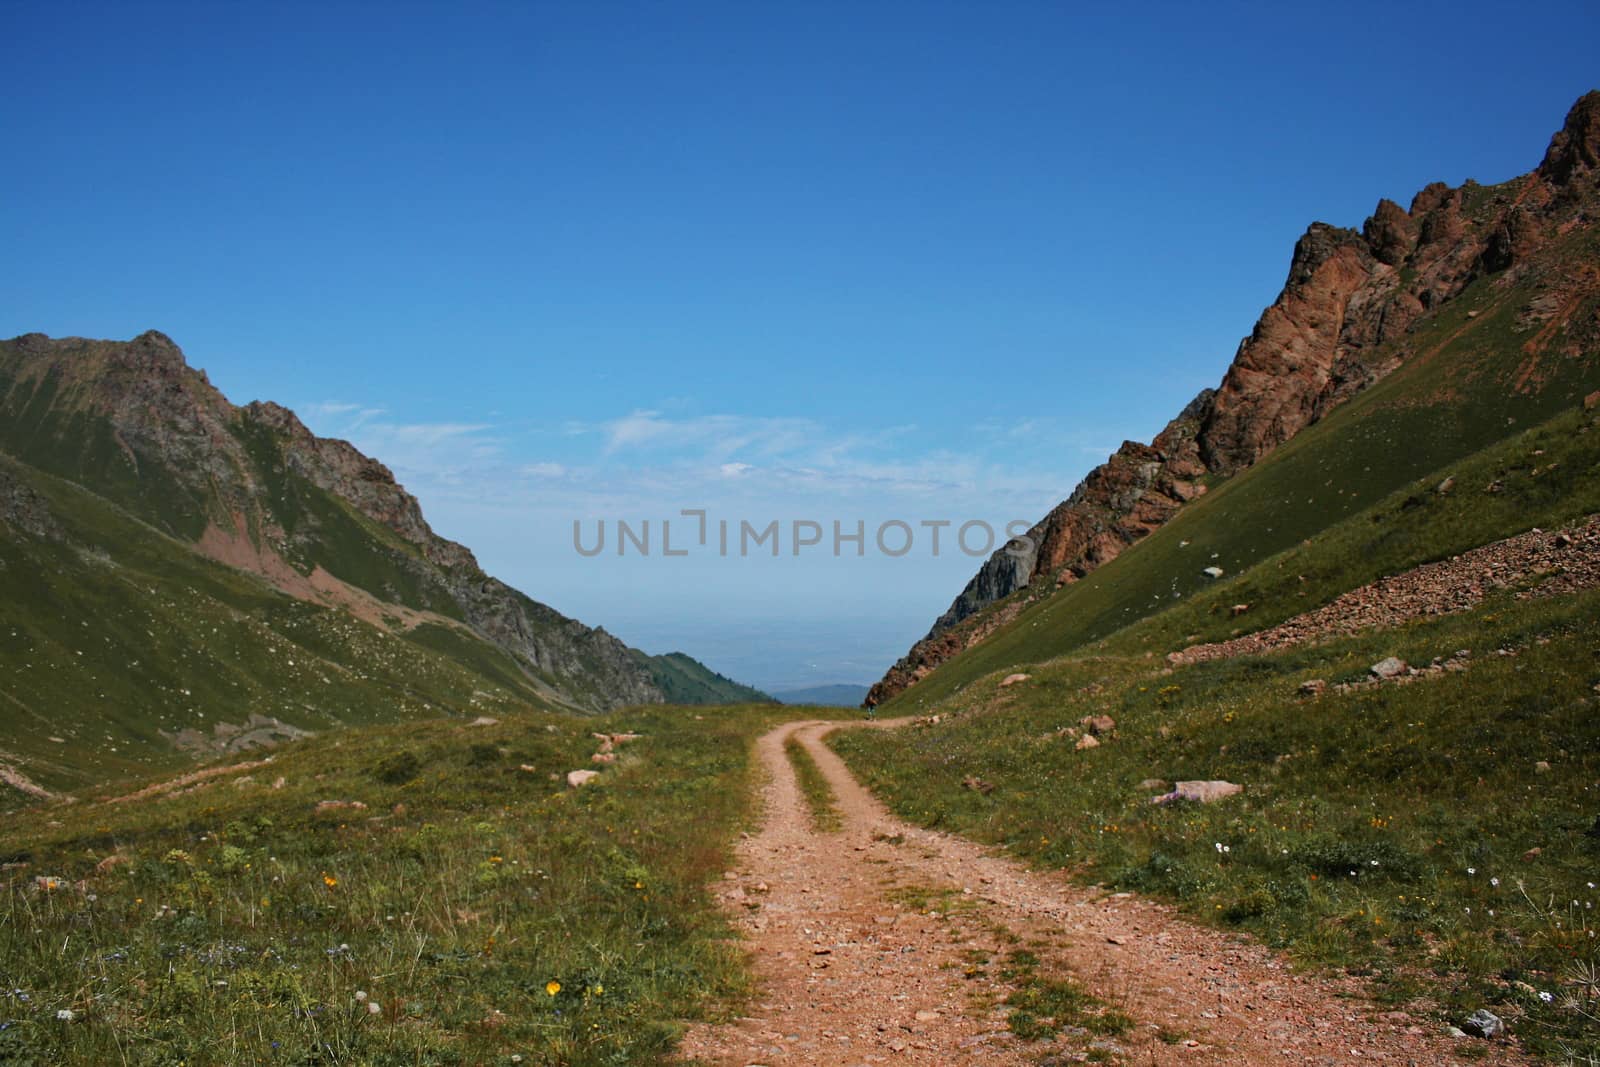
[1337,327]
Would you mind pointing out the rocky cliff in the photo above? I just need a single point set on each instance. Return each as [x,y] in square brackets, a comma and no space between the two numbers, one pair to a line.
[1346,317]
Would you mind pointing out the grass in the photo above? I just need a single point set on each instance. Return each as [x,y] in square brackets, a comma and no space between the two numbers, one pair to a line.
[1386,831]
[1434,835]
[179,642]
[1043,1006]
[473,909]
[820,799]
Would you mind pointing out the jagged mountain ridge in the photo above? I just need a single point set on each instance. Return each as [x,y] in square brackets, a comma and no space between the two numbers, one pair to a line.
[1346,319]
[253,488]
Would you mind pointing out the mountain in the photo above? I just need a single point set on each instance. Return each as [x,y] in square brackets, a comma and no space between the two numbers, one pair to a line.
[1481,299]
[826,696]
[684,680]
[183,573]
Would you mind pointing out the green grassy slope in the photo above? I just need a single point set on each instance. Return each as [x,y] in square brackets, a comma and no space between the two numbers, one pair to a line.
[104,649]
[686,680]
[134,425]
[1459,395]
[1384,830]
[484,908]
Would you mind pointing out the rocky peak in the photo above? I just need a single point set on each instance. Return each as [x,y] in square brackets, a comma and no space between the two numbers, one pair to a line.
[1320,243]
[276,417]
[1575,149]
[1390,233]
[1429,197]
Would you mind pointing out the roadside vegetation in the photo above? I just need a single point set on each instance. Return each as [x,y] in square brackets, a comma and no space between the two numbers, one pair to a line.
[425,893]
[819,796]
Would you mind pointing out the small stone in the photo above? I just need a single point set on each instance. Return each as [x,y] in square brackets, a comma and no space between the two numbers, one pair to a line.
[1152,783]
[1592,401]
[1087,741]
[580,778]
[1313,688]
[1013,679]
[1532,854]
[1238,609]
[977,785]
[1445,486]
[1483,1023]
[1542,767]
[1213,572]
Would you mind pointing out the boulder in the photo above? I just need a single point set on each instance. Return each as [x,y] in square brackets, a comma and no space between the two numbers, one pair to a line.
[1013,679]
[1087,741]
[1199,792]
[1392,667]
[977,785]
[1313,688]
[1213,572]
[1592,401]
[1099,725]
[1238,609]
[580,778]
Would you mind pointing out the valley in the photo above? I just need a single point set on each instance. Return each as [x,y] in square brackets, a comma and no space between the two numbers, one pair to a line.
[1276,741]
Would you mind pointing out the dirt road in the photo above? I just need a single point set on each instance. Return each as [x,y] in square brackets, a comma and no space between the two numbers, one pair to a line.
[885,943]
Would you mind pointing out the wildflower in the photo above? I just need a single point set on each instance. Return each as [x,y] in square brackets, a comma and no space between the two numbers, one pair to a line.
[66,1015]
[1494,882]
[1374,863]
[361,996]
[1545,996]
[552,987]
[329,880]
[1472,870]
[373,1007]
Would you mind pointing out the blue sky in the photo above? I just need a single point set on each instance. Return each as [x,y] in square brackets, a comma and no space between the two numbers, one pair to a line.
[831,261]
